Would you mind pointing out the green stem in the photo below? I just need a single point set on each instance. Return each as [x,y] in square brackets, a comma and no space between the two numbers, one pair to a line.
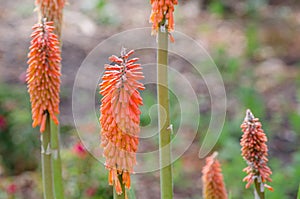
[298,196]
[46,161]
[166,184]
[123,195]
[56,162]
[257,191]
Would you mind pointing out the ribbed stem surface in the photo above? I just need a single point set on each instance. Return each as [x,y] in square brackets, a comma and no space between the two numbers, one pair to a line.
[46,161]
[166,183]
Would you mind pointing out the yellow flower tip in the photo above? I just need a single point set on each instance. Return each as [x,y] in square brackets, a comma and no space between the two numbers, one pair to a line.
[43,74]
[255,151]
[114,180]
[212,178]
[43,123]
[120,115]
[162,12]
[269,187]
[171,38]
[126,179]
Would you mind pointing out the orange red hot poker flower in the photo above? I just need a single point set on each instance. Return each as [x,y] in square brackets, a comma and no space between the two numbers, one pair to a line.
[43,74]
[255,151]
[120,116]
[52,11]
[212,178]
[162,11]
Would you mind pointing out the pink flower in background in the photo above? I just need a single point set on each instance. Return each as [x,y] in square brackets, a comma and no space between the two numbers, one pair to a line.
[11,189]
[91,191]
[2,122]
[22,77]
[80,150]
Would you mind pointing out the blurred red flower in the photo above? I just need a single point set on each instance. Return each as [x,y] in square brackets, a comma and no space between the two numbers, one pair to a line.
[91,191]
[11,189]
[2,122]
[80,150]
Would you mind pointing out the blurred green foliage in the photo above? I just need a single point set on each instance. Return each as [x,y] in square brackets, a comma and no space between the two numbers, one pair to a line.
[252,7]
[148,100]
[216,7]
[102,11]
[85,176]
[18,141]
[252,40]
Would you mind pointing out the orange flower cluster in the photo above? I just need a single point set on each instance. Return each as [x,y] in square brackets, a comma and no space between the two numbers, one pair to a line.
[52,11]
[255,151]
[162,11]
[213,185]
[120,116]
[43,74]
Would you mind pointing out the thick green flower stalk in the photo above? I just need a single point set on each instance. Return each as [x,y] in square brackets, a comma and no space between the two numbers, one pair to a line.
[162,19]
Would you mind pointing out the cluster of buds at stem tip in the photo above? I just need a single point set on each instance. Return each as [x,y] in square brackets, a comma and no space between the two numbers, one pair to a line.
[120,116]
[43,74]
[255,151]
[162,14]
[52,11]
[212,178]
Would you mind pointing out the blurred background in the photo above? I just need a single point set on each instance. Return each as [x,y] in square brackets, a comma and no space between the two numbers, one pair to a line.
[255,45]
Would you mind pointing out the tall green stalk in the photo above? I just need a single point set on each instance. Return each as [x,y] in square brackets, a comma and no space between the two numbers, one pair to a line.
[123,195]
[166,184]
[257,192]
[298,196]
[56,162]
[46,161]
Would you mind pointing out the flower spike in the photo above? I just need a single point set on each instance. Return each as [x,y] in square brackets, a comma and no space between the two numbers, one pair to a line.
[212,178]
[255,151]
[43,74]
[52,11]
[162,14]
[120,116]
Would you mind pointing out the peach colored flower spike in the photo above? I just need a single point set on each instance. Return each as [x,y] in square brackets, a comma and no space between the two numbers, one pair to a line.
[255,151]
[52,11]
[120,116]
[212,178]
[162,11]
[43,74]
